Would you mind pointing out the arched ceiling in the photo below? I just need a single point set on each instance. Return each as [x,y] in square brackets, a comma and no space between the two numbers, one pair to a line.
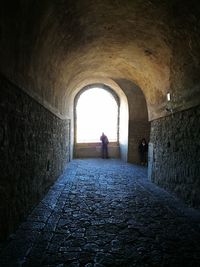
[50,48]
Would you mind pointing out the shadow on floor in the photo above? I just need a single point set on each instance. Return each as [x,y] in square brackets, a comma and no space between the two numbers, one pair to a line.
[106,213]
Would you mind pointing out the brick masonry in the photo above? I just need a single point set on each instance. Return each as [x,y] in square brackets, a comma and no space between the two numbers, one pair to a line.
[176,154]
[34,149]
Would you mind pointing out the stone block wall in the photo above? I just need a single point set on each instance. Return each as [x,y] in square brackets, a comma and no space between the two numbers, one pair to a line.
[93,150]
[175,156]
[34,149]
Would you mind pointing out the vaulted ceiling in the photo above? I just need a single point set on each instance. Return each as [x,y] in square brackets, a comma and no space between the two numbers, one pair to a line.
[53,48]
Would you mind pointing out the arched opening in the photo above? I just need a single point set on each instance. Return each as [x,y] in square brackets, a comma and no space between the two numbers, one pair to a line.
[132,125]
[96,110]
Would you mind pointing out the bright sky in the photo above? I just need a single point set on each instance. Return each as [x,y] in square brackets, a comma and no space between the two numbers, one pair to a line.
[97,112]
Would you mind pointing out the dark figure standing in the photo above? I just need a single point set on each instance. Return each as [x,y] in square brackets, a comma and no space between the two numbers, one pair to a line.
[104,146]
[143,149]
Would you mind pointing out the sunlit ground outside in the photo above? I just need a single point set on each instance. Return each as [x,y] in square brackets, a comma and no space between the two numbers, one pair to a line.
[97,112]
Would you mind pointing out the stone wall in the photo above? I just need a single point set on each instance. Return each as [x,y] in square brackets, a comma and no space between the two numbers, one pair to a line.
[139,126]
[93,150]
[175,155]
[34,149]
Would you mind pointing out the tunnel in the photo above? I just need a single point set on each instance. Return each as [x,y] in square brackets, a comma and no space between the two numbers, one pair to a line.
[146,53]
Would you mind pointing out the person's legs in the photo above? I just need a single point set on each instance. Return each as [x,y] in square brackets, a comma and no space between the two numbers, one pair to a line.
[145,158]
[141,158]
[106,151]
[102,152]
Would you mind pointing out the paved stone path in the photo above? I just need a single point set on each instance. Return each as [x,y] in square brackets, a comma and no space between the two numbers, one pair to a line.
[106,213]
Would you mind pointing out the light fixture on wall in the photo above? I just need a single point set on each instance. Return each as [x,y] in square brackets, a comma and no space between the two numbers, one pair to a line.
[169,104]
[168,96]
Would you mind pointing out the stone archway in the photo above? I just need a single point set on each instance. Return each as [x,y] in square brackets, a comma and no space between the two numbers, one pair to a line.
[93,148]
[133,121]
[139,125]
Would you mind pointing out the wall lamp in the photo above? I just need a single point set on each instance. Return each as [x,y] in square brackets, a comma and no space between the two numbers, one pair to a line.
[169,108]
[168,96]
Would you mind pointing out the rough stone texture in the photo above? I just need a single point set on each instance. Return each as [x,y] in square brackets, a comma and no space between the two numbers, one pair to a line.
[52,47]
[33,152]
[106,213]
[176,154]
[93,150]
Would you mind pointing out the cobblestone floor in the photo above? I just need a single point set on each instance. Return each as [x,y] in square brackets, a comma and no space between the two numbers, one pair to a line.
[106,213]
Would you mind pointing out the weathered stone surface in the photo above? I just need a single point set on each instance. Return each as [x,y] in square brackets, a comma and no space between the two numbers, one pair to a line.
[52,48]
[123,219]
[34,149]
[176,154]
[93,150]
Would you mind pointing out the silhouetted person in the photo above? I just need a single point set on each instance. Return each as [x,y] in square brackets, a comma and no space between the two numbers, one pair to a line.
[143,148]
[104,146]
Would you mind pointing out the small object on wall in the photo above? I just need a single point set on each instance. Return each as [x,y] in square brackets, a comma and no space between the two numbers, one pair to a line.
[169,103]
